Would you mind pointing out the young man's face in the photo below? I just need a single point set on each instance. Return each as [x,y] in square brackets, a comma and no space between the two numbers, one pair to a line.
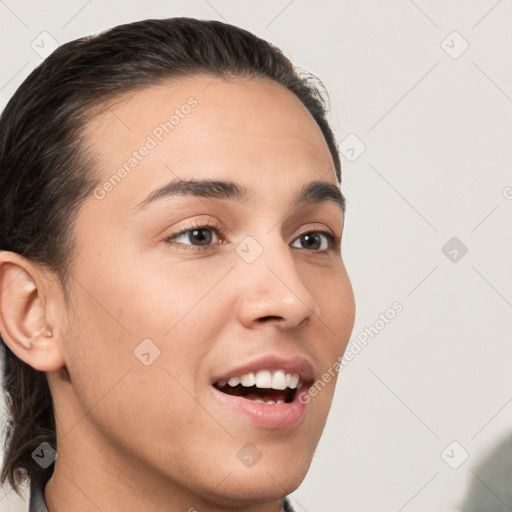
[155,325]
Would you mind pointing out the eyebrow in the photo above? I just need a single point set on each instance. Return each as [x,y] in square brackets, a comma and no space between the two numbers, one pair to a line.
[311,193]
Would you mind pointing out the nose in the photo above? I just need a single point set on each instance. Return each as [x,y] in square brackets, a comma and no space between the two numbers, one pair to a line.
[273,291]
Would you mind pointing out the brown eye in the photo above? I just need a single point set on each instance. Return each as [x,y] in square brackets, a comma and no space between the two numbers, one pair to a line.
[201,236]
[313,241]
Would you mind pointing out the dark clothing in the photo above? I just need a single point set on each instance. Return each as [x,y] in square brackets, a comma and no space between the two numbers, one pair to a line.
[37,485]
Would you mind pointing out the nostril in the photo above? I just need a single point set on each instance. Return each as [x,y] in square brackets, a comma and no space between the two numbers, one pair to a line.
[270,317]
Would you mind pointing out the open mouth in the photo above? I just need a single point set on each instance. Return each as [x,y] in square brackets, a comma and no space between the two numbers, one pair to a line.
[266,392]
[266,387]
[264,396]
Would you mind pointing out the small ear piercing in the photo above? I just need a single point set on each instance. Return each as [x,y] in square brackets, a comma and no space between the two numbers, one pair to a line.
[46,332]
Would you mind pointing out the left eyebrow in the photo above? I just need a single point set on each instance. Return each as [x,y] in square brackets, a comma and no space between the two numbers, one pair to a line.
[311,193]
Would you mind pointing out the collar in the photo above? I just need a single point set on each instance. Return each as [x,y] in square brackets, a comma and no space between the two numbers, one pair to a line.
[37,485]
[286,505]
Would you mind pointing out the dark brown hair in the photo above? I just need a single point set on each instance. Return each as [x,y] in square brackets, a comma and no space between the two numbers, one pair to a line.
[45,173]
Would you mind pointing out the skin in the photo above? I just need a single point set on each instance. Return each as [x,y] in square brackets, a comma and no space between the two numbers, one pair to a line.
[133,437]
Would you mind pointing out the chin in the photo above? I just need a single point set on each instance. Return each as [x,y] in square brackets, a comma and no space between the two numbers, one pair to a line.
[253,486]
[277,473]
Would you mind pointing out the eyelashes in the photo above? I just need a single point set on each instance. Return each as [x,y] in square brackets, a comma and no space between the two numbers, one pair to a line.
[196,229]
[203,234]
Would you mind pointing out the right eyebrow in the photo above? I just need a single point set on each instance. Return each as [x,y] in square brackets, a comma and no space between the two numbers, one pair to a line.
[313,192]
[201,188]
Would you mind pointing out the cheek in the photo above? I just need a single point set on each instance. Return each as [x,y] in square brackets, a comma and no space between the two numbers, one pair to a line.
[334,327]
[131,403]
[334,294]
[145,353]
[157,300]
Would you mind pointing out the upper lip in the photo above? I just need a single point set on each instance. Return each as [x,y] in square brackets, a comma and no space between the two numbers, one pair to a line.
[295,364]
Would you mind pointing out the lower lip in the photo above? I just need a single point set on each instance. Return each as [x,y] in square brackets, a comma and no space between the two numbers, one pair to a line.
[269,416]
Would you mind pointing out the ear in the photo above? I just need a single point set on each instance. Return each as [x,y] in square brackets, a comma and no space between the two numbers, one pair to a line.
[24,325]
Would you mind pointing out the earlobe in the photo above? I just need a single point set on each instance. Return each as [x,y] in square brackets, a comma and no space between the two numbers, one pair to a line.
[24,325]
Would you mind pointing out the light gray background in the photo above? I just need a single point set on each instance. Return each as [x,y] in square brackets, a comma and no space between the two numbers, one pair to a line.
[437,132]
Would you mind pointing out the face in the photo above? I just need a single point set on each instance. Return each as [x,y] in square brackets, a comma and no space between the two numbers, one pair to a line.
[192,308]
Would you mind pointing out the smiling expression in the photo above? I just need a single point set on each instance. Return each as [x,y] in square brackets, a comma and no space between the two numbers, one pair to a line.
[221,248]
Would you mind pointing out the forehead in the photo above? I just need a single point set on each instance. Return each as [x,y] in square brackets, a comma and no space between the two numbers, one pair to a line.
[251,130]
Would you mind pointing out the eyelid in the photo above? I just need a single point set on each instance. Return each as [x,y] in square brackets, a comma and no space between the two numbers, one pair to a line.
[309,229]
[212,224]
[333,240]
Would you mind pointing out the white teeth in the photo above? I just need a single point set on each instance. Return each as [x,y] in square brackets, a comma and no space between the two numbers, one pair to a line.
[295,381]
[234,381]
[264,379]
[248,380]
[268,402]
[279,380]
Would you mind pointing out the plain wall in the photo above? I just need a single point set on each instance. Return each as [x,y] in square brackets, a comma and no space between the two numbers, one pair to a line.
[436,128]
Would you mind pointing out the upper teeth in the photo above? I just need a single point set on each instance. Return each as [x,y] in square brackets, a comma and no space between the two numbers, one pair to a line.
[264,379]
